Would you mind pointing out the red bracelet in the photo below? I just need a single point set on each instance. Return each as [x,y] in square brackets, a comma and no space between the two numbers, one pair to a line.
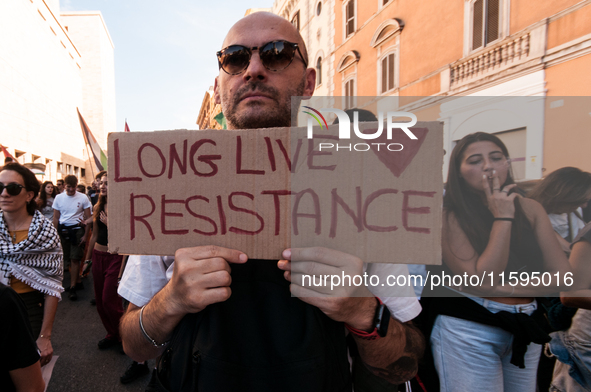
[363,334]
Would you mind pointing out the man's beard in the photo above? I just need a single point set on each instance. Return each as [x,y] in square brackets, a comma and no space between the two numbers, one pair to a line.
[280,115]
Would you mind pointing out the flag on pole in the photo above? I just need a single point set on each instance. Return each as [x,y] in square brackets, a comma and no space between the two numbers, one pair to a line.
[100,159]
[126,126]
[7,154]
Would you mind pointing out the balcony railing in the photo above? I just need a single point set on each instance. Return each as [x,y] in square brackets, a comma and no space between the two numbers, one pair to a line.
[505,54]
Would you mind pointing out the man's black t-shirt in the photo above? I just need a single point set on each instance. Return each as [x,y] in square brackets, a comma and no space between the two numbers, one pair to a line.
[261,339]
[17,345]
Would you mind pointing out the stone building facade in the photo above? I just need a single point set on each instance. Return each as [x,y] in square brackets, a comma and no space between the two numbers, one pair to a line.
[51,64]
[422,53]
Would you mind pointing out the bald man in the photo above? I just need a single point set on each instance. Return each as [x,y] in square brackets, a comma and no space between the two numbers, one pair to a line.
[223,322]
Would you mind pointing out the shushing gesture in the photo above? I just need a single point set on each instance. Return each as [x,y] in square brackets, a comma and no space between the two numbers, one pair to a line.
[500,203]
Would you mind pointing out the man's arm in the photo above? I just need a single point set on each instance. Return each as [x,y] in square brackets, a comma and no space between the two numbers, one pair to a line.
[396,356]
[92,242]
[56,218]
[201,276]
[393,357]
[85,218]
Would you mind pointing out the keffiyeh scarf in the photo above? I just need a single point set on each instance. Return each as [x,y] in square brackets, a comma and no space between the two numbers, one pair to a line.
[37,261]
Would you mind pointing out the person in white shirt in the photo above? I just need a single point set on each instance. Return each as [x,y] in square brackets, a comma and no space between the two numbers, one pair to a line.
[70,210]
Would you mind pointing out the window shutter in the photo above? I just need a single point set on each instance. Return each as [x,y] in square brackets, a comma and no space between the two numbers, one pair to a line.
[477,24]
[349,91]
[492,20]
[391,71]
[319,70]
[384,74]
[350,17]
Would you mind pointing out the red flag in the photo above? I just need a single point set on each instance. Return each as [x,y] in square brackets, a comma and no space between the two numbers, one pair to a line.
[126,127]
[7,154]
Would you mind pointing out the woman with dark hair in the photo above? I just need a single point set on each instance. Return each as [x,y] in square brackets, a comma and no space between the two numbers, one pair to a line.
[45,199]
[563,194]
[31,258]
[106,272]
[490,230]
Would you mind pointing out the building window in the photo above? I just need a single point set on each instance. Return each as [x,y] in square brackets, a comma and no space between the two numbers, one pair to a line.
[83,173]
[319,71]
[319,8]
[349,18]
[485,22]
[350,94]
[296,20]
[387,73]
[60,167]
[68,169]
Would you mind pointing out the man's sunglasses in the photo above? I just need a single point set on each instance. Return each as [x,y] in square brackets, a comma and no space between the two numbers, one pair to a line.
[13,188]
[275,56]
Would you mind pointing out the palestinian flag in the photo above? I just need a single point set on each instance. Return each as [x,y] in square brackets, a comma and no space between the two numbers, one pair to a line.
[100,159]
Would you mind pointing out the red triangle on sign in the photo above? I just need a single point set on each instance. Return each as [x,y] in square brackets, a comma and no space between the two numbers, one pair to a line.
[397,161]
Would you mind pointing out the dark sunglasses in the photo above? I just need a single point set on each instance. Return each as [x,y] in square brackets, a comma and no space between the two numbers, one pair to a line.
[275,56]
[13,188]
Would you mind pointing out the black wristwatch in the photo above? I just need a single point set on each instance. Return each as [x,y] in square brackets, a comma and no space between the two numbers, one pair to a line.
[381,320]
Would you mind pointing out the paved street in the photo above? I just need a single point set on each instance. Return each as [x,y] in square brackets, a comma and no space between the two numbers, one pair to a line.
[81,365]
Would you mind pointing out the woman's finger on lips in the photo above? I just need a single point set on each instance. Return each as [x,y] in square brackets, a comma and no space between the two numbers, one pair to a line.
[486,185]
[495,182]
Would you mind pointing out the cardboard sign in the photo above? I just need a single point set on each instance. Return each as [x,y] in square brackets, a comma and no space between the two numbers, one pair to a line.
[262,191]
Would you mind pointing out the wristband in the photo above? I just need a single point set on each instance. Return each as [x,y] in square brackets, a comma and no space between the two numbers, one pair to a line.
[504,219]
[362,334]
[146,334]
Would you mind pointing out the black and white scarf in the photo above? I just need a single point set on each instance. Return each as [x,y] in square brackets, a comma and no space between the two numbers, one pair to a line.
[37,261]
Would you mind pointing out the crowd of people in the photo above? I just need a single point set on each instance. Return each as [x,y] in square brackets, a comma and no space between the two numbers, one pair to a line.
[44,230]
[219,321]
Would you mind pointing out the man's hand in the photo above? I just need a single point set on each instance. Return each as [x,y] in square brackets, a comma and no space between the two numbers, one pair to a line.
[394,357]
[201,277]
[351,303]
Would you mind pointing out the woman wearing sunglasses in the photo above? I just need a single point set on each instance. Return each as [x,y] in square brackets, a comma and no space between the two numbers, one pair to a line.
[31,258]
